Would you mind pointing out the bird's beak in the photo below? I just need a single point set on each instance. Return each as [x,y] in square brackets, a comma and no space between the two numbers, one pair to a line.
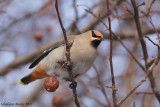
[101,38]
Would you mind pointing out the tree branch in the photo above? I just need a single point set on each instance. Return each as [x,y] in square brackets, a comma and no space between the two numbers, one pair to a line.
[101,85]
[144,48]
[68,47]
[150,69]
[152,42]
[21,60]
[136,17]
[110,58]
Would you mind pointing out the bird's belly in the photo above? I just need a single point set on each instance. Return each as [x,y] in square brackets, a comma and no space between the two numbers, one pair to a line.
[78,68]
[81,62]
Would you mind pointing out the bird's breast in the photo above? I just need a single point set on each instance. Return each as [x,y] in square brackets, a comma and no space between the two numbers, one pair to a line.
[82,57]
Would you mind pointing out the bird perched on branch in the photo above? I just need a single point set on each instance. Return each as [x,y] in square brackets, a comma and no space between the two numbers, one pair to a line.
[83,53]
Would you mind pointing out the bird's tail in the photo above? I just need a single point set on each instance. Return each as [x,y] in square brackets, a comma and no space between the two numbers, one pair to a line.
[38,73]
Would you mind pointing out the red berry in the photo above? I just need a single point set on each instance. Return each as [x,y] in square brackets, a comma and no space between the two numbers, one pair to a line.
[51,84]
[38,35]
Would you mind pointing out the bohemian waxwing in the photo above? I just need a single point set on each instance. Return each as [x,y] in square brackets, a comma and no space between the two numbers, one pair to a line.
[83,53]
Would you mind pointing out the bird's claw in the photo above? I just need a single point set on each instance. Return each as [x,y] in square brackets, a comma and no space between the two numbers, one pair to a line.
[73,85]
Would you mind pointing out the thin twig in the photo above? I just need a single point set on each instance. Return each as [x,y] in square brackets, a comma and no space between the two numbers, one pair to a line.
[150,69]
[129,11]
[91,12]
[152,42]
[111,64]
[154,88]
[149,9]
[91,94]
[144,48]
[143,3]
[76,16]
[75,10]
[139,92]
[60,21]
[136,17]
[101,85]
[158,37]
[68,47]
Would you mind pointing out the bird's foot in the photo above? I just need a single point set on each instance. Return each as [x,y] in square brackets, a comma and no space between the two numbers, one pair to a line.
[73,85]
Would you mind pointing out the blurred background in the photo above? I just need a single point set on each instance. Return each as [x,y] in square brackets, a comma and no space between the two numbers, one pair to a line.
[28,27]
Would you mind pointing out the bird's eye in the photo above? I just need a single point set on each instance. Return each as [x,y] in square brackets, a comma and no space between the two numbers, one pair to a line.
[93,34]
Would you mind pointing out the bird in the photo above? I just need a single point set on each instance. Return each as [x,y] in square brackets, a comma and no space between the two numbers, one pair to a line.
[83,54]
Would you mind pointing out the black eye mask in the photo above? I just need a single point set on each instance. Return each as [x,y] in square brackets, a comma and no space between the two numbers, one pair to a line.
[93,34]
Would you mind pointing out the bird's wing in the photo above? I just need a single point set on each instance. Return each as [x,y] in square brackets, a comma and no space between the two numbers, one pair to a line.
[45,53]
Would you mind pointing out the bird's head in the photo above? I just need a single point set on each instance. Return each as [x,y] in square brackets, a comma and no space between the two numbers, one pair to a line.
[96,38]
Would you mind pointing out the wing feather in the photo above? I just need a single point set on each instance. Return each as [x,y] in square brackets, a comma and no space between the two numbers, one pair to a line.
[45,53]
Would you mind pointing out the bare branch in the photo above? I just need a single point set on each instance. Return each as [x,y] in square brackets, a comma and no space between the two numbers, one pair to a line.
[149,9]
[150,69]
[144,48]
[143,3]
[152,42]
[110,58]
[101,85]
[26,16]
[139,92]
[136,17]
[21,60]
[68,47]
[158,37]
